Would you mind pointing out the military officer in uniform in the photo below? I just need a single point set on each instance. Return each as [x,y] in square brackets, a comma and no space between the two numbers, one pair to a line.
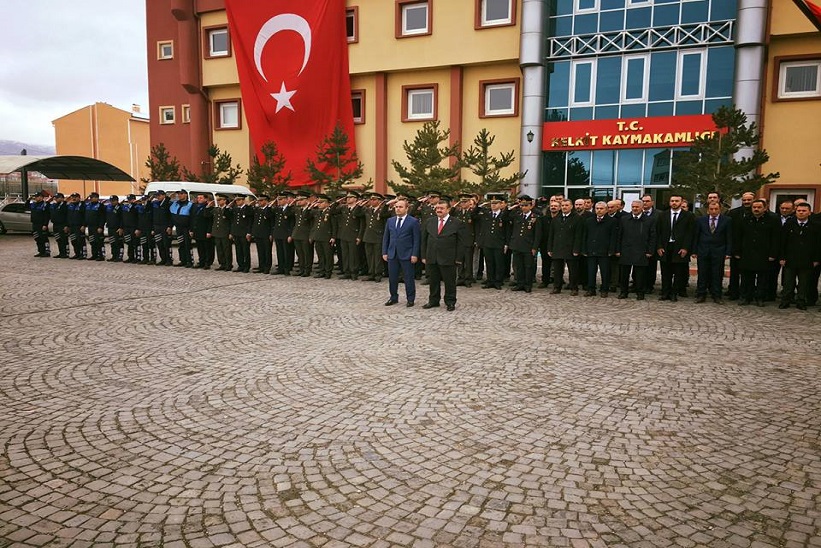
[262,233]
[524,234]
[300,234]
[221,232]
[323,235]
[493,239]
[201,233]
[349,234]
[466,212]
[281,229]
[242,217]
[376,213]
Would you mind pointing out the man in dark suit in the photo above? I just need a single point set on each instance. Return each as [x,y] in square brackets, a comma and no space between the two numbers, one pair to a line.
[599,232]
[564,244]
[738,214]
[799,254]
[651,214]
[524,233]
[401,244]
[635,244]
[755,246]
[713,244]
[443,241]
[675,230]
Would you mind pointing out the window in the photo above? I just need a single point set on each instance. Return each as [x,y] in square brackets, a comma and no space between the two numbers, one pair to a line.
[217,43]
[494,13]
[582,77]
[799,79]
[690,75]
[584,6]
[352,24]
[185,113]
[419,102]
[358,103]
[499,98]
[165,50]
[413,18]
[635,83]
[634,3]
[228,114]
[168,115]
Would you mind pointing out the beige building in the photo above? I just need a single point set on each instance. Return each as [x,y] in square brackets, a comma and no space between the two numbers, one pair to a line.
[791,122]
[105,133]
[411,61]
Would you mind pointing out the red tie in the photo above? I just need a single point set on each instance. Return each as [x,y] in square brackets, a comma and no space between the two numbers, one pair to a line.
[441,226]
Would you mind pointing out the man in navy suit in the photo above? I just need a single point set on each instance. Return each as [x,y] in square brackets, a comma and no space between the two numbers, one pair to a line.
[713,245]
[400,249]
[444,239]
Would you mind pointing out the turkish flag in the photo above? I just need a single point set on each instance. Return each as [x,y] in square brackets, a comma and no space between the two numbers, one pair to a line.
[811,10]
[292,60]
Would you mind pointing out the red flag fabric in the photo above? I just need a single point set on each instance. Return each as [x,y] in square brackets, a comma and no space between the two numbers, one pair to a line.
[811,10]
[292,60]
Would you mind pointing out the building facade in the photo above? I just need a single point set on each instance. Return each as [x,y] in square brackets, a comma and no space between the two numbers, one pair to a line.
[791,119]
[106,133]
[410,61]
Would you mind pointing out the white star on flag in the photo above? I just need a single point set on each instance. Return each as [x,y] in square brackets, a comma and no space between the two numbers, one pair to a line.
[283,98]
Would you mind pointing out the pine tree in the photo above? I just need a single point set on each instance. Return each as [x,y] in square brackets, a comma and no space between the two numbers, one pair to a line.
[711,163]
[267,177]
[221,171]
[487,168]
[161,165]
[433,166]
[336,164]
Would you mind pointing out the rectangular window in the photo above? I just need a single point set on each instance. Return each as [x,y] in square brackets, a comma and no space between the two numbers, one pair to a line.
[185,113]
[419,102]
[499,98]
[358,104]
[690,75]
[228,114]
[352,24]
[217,42]
[635,84]
[493,13]
[799,79]
[413,18]
[582,79]
[636,3]
[165,50]
[585,6]
[168,115]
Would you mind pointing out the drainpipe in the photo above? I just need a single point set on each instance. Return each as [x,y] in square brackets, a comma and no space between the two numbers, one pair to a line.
[531,61]
[751,26]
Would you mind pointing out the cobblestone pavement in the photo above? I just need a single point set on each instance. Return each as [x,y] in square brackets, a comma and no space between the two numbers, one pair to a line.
[151,406]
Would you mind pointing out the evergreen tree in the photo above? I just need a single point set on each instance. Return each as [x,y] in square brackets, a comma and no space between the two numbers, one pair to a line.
[267,177]
[487,168]
[711,164]
[336,164]
[161,166]
[221,171]
[433,165]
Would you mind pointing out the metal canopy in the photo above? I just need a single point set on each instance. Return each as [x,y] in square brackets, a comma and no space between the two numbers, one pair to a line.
[65,167]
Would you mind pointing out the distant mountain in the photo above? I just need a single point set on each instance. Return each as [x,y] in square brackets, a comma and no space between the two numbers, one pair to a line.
[8,148]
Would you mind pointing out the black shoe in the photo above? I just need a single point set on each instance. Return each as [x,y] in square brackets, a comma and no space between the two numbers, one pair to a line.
[674,298]
[409,304]
[238,269]
[701,299]
[782,306]
[427,306]
[622,296]
[391,302]
[664,298]
[801,306]
[528,290]
[759,303]
[518,288]
[640,297]
[743,302]
[450,307]
[718,300]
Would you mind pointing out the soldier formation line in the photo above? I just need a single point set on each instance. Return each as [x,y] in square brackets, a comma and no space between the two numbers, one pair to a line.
[598,247]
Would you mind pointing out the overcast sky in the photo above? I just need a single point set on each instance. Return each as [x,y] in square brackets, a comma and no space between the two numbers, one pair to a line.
[57,56]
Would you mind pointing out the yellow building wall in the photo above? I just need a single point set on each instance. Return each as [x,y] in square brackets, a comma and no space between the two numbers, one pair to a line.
[236,142]
[399,131]
[794,144]
[505,129]
[219,70]
[365,134]
[454,41]
[109,134]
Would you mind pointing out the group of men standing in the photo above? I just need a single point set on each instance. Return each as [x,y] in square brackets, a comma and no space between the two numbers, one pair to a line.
[374,235]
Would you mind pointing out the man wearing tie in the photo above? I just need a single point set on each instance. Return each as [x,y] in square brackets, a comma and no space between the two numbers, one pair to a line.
[712,246]
[443,241]
[400,249]
[675,229]
[800,253]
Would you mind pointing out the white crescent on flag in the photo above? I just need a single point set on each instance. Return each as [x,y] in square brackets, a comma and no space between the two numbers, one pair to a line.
[279,23]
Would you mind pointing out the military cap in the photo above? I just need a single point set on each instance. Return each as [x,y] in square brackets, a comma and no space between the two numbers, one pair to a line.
[263,197]
[496,197]
[94,195]
[161,191]
[222,196]
[390,197]
[353,193]
[182,191]
[322,197]
[465,196]
[59,195]
[304,193]
[374,195]
[445,198]
[285,194]
[525,198]
[114,198]
[131,197]
[435,194]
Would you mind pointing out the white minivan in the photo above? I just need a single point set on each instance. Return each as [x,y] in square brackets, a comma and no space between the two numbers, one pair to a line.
[195,189]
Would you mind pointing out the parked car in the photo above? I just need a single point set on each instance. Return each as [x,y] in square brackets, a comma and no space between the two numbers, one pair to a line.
[194,189]
[15,217]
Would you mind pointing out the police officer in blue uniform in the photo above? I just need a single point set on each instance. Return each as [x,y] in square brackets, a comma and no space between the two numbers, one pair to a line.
[114,223]
[39,223]
[180,210]
[130,223]
[161,226]
[58,214]
[94,220]
[76,233]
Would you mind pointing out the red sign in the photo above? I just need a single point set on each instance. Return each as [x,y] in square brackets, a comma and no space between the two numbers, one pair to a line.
[292,59]
[655,132]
